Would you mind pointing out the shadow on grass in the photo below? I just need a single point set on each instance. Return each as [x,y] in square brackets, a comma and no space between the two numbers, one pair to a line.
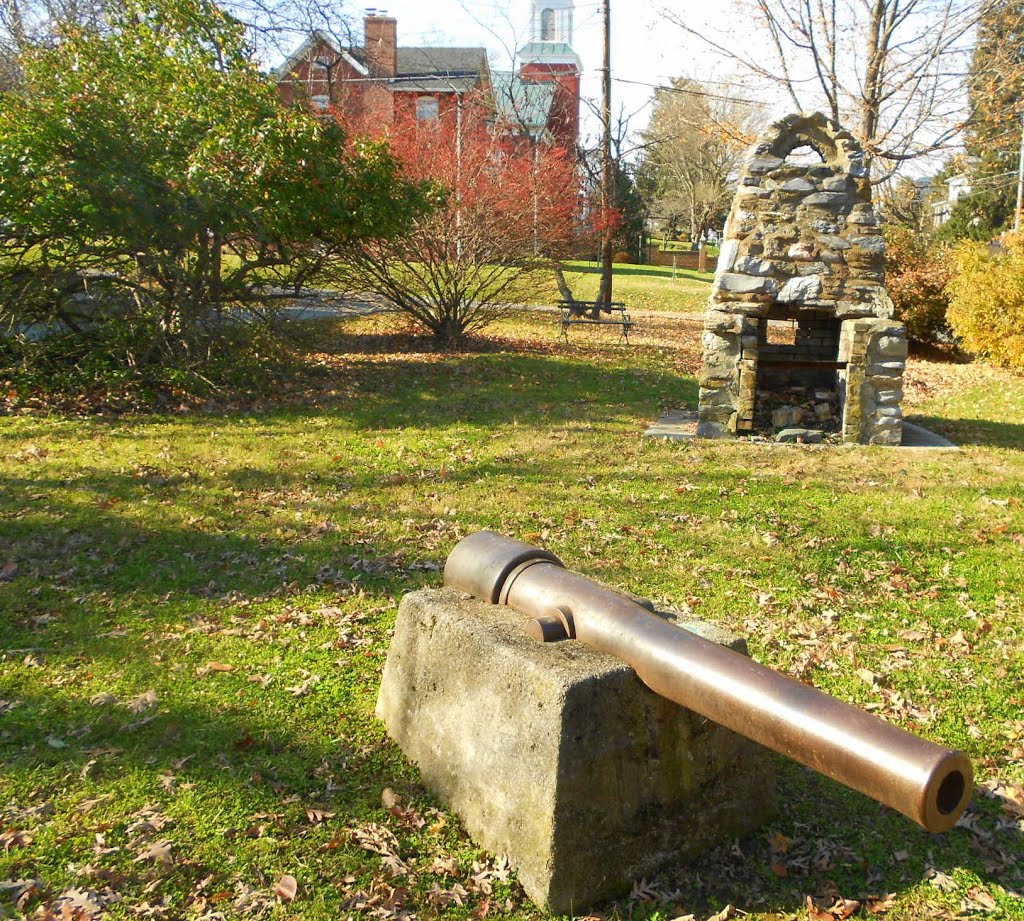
[256,755]
[496,389]
[487,387]
[980,432]
[252,750]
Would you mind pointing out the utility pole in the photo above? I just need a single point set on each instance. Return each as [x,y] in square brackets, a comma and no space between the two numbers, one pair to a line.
[604,297]
[1020,182]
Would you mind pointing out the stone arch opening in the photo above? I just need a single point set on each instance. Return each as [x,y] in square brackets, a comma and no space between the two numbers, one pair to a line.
[804,155]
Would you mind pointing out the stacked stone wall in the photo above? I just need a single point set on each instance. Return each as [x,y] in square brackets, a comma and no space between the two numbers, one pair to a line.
[802,243]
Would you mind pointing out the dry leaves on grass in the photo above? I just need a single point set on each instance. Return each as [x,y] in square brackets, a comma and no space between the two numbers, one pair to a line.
[440,897]
[309,682]
[203,670]
[287,888]
[77,905]
[376,839]
[143,702]
[156,852]
[839,910]
[1010,796]
[12,838]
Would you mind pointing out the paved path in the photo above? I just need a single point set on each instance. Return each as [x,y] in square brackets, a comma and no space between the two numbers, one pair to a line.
[327,305]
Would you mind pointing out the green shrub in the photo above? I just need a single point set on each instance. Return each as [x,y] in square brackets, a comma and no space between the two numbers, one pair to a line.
[918,272]
[986,309]
[157,202]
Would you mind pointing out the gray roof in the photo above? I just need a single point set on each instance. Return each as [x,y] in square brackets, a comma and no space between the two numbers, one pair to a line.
[522,102]
[447,62]
[431,84]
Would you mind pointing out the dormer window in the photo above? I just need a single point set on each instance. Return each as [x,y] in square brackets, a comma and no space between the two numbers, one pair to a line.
[427,109]
[548,26]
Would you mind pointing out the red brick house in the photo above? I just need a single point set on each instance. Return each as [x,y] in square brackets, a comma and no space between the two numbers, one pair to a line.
[382,83]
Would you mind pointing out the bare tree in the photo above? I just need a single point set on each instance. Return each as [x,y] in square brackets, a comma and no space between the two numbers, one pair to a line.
[693,145]
[892,71]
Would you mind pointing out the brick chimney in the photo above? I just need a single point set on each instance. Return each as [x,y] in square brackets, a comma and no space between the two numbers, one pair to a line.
[381,43]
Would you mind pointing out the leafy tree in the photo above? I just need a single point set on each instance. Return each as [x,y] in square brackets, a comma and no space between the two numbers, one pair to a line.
[693,145]
[918,271]
[986,308]
[156,194]
[996,98]
[508,214]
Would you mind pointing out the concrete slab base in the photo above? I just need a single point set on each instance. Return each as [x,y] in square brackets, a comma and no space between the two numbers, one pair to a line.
[916,436]
[681,425]
[558,756]
[675,425]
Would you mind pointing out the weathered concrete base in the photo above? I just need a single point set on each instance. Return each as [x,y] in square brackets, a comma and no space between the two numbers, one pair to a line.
[675,425]
[558,756]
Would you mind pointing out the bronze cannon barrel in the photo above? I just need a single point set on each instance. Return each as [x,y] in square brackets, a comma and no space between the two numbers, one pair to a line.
[926,782]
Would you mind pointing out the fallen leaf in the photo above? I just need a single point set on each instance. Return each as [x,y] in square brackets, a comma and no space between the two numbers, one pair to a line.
[203,670]
[980,899]
[142,703]
[287,888]
[725,914]
[158,852]
[8,571]
[80,903]
[816,914]
[375,838]
[941,881]
[882,905]
[103,699]
[844,909]
[444,866]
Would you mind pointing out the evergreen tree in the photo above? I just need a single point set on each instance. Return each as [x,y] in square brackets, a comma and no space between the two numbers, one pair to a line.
[996,97]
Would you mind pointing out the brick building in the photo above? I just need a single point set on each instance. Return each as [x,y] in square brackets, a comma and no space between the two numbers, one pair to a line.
[381,83]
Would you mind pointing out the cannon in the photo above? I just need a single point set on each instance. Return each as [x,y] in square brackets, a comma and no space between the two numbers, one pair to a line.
[928,783]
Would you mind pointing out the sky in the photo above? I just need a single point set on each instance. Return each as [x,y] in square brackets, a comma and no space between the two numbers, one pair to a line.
[647,50]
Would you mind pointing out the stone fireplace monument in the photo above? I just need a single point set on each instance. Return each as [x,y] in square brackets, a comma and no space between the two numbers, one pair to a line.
[799,332]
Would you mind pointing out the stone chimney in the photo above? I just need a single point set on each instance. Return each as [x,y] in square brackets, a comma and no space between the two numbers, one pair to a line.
[381,43]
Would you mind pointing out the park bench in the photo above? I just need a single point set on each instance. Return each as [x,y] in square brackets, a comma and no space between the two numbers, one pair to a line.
[578,313]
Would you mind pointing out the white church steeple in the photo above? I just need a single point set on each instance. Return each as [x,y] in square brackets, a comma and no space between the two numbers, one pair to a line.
[552,21]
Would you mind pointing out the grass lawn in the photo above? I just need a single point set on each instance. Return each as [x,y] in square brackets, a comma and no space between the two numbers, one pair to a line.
[642,287]
[196,610]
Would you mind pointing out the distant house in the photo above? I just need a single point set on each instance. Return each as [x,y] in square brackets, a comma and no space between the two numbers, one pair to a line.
[381,83]
[957,187]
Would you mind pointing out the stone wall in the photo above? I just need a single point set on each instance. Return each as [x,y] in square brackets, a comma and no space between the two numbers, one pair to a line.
[872,382]
[802,243]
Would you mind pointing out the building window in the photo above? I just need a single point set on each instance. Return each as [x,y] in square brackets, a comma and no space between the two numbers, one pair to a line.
[320,102]
[426,109]
[548,26]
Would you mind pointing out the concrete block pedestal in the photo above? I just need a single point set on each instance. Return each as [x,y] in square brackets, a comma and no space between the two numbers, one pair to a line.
[558,756]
